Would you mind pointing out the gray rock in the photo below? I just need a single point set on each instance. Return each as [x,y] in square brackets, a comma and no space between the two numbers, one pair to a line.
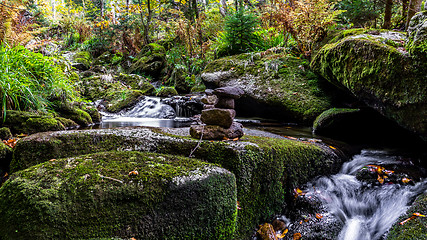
[229,92]
[227,103]
[218,116]
[209,99]
[214,132]
[213,79]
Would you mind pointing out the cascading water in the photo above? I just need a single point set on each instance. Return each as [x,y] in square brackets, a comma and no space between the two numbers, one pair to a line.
[149,112]
[366,210]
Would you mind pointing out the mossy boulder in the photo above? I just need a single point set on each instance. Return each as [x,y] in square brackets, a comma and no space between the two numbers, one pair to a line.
[108,58]
[266,169]
[417,32]
[119,194]
[415,228]
[136,82]
[181,80]
[73,112]
[276,85]
[330,118]
[29,122]
[150,61]
[5,156]
[166,92]
[384,77]
[123,100]
[5,133]
[82,60]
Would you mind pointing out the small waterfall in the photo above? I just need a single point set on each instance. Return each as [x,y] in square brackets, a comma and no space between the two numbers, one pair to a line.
[185,106]
[366,211]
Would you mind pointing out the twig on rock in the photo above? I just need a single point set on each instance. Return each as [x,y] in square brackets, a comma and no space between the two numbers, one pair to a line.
[198,144]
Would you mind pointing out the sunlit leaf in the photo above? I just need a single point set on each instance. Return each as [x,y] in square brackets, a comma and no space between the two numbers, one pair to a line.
[297,236]
[319,216]
[406,180]
[283,234]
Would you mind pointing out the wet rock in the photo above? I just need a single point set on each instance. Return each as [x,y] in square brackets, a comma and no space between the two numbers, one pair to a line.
[208,106]
[215,132]
[166,92]
[218,116]
[228,92]
[209,99]
[227,103]
[266,232]
[278,225]
[169,198]
[5,133]
[185,106]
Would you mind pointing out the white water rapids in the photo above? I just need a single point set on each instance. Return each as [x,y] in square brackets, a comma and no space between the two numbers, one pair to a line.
[366,211]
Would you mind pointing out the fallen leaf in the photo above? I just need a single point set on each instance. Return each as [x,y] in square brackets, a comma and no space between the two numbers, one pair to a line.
[408,219]
[319,216]
[380,179]
[406,180]
[235,139]
[133,173]
[225,138]
[52,160]
[298,192]
[283,234]
[332,147]
[418,214]
[11,142]
[297,236]
[290,138]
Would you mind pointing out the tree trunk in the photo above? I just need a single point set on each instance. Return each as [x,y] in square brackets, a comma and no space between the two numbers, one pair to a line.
[223,7]
[414,7]
[387,14]
[404,9]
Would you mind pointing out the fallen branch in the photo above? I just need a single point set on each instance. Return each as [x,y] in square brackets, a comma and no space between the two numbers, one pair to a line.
[110,178]
[198,144]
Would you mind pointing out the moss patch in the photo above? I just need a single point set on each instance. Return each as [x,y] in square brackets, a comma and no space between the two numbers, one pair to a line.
[326,119]
[123,99]
[413,229]
[93,196]
[28,122]
[166,92]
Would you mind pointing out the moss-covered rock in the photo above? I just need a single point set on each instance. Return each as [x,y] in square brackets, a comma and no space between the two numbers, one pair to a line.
[181,80]
[136,82]
[5,133]
[68,123]
[29,122]
[386,78]
[150,61]
[415,228]
[70,111]
[266,169]
[5,156]
[82,60]
[417,32]
[94,113]
[166,92]
[119,194]
[330,117]
[276,85]
[123,100]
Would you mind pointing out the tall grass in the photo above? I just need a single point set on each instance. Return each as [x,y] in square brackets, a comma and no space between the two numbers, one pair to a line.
[29,80]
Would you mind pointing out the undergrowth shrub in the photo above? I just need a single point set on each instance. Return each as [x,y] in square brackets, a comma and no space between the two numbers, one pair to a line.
[29,80]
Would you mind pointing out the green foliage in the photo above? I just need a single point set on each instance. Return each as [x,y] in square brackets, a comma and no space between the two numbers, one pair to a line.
[28,80]
[360,13]
[239,36]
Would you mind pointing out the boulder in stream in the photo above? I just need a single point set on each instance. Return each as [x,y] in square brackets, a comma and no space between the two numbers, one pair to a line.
[121,195]
[266,169]
[376,68]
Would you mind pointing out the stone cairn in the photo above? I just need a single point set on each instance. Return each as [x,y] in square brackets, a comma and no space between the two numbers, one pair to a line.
[218,115]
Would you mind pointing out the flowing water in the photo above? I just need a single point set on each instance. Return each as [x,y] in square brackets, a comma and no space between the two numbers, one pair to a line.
[367,211]
[149,112]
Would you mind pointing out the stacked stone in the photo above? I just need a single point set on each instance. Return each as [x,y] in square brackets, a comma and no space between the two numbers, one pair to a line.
[219,116]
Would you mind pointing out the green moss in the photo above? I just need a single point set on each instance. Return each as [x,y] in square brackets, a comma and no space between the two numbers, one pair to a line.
[415,228]
[123,99]
[93,196]
[166,92]
[137,82]
[327,117]
[198,88]
[77,115]
[84,58]
[5,133]
[5,156]
[94,113]
[68,123]
[266,169]
[43,124]
[281,82]
[380,75]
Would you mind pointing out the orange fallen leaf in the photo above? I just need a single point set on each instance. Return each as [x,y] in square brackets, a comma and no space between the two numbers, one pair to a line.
[405,180]
[300,222]
[380,179]
[283,234]
[133,173]
[319,216]
[290,138]
[298,192]
[297,236]
[332,147]
[235,139]
[418,214]
[406,220]
[132,238]
[52,160]
[11,142]
[225,138]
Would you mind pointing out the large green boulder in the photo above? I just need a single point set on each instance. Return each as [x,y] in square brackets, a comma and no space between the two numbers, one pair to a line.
[31,122]
[150,61]
[377,70]
[82,60]
[276,85]
[119,194]
[266,169]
